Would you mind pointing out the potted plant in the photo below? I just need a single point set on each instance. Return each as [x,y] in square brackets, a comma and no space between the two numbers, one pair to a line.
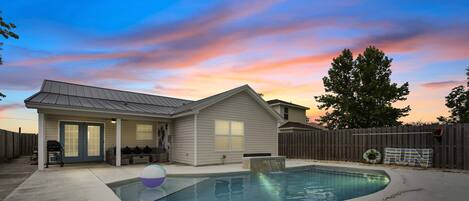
[223,157]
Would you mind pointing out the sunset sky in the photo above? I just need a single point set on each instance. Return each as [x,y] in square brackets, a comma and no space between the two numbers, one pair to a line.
[191,50]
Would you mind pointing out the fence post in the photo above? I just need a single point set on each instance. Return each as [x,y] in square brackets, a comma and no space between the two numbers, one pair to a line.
[465,132]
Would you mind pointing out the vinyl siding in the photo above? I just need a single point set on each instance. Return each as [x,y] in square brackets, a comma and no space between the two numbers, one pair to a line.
[296,115]
[182,146]
[277,108]
[260,129]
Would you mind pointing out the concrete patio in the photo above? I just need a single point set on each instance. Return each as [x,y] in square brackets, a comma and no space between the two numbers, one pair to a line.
[88,181]
[13,173]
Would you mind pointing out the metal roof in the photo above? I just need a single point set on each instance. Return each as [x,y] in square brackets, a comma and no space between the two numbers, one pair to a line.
[63,95]
[69,95]
[298,125]
[281,102]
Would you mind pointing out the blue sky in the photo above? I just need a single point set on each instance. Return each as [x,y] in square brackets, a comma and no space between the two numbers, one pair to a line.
[194,49]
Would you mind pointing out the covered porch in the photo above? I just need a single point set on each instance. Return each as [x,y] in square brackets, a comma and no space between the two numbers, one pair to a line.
[116,138]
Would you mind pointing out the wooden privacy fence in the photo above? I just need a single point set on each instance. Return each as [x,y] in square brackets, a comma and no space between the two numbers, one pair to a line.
[13,144]
[449,151]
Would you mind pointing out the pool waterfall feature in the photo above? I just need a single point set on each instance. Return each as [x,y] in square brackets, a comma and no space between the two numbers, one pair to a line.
[264,163]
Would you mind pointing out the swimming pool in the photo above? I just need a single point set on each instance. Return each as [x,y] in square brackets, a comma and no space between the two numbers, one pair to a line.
[309,183]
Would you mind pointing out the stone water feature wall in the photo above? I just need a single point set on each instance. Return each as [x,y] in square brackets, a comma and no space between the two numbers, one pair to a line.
[264,163]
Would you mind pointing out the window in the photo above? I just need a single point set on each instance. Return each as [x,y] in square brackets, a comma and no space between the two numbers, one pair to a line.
[285,113]
[144,132]
[229,135]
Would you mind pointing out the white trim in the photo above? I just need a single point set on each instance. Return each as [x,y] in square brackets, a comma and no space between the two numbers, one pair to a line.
[85,121]
[40,142]
[39,106]
[195,139]
[290,105]
[182,114]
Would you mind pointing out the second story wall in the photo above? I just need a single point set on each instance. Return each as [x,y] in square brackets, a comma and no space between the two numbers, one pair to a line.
[296,115]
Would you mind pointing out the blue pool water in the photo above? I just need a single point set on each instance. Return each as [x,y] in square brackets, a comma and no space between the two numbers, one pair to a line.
[293,185]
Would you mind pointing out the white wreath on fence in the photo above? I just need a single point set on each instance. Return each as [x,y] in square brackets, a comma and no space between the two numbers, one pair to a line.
[370,152]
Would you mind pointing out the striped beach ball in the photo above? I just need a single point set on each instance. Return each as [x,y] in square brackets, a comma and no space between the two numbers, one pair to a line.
[153,176]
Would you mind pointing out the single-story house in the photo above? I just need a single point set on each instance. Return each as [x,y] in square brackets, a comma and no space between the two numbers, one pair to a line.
[88,121]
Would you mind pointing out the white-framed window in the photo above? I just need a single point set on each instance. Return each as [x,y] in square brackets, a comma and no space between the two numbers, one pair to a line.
[229,135]
[144,132]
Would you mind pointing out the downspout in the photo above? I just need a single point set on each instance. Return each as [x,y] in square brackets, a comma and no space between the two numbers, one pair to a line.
[195,137]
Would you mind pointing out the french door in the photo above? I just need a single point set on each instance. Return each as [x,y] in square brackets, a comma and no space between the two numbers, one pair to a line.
[82,142]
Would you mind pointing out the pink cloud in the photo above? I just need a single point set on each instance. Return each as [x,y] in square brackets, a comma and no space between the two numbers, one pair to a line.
[6,107]
[443,84]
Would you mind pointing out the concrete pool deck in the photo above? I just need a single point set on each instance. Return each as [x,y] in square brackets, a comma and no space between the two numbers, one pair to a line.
[88,181]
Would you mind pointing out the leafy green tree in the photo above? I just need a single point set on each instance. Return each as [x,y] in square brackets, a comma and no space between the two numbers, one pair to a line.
[6,30]
[458,103]
[360,94]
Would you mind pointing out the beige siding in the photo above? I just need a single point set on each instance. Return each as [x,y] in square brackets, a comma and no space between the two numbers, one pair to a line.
[296,115]
[260,129]
[128,130]
[182,146]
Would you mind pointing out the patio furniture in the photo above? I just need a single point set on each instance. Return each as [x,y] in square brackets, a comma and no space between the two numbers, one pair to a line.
[138,159]
[137,155]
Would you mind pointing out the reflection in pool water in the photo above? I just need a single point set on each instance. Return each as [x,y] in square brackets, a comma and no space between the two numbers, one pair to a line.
[298,184]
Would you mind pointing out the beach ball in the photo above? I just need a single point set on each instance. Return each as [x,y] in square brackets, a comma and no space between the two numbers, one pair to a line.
[153,176]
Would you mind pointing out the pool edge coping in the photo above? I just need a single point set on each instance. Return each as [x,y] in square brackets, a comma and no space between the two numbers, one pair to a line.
[395,180]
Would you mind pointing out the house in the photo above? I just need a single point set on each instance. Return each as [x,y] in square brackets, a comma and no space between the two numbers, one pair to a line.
[289,111]
[89,121]
[294,116]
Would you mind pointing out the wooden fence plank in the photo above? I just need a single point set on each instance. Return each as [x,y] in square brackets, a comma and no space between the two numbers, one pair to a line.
[350,144]
[465,131]
[459,147]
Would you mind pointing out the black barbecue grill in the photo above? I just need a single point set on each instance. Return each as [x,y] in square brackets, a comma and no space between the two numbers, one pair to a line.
[55,153]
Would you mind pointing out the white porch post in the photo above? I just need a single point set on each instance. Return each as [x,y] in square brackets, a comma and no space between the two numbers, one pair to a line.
[40,142]
[118,141]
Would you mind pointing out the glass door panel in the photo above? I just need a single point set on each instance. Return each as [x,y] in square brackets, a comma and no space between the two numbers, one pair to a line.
[94,140]
[71,137]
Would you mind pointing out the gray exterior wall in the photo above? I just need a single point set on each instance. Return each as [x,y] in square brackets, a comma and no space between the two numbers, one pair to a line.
[296,114]
[182,142]
[260,129]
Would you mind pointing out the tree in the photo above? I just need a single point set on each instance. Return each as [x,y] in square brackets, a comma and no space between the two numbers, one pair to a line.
[6,32]
[360,94]
[458,103]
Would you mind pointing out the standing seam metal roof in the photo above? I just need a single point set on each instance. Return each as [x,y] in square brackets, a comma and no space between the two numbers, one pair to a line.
[56,94]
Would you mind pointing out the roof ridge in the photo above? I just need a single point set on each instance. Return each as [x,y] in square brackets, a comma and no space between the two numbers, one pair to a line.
[113,90]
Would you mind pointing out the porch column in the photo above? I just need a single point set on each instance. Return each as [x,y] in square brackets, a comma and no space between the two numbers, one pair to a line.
[168,135]
[40,142]
[118,141]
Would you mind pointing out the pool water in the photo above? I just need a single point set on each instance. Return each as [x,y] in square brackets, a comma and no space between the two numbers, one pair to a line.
[293,185]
